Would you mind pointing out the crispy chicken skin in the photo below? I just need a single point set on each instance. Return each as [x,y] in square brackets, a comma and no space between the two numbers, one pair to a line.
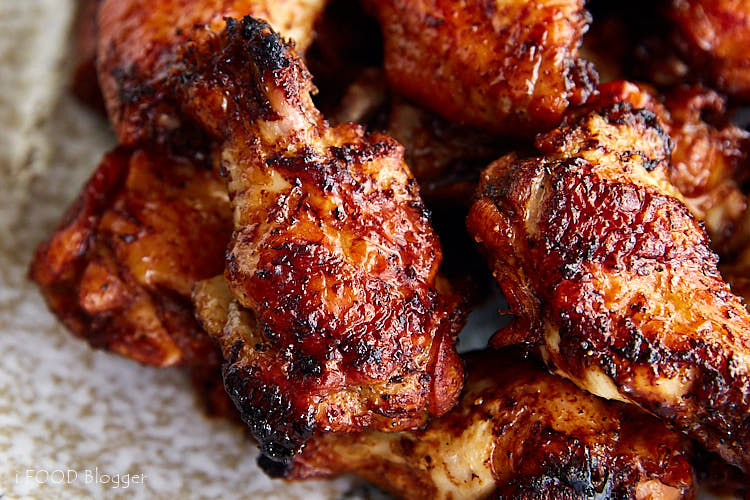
[119,269]
[506,66]
[715,38]
[709,160]
[337,323]
[140,39]
[518,432]
[605,267]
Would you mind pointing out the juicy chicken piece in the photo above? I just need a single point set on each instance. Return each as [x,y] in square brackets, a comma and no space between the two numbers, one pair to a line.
[506,66]
[709,161]
[140,40]
[518,432]
[605,268]
[337,323]
[119,269]
[715,37]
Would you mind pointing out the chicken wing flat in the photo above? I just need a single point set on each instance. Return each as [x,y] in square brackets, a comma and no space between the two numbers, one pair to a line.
[119,269]
[608,270]
[518,432]
[715,38]
[505,66]
[337,323]
[139,41]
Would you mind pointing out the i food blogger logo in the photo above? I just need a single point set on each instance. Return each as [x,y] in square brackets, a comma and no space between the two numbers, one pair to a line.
[86,476]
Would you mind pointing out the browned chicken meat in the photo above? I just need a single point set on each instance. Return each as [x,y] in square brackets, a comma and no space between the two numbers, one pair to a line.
[605,267]
[506,66]
[337,323]
[709,160]
[139,41]
[119,269]
[518,432]
[714,36]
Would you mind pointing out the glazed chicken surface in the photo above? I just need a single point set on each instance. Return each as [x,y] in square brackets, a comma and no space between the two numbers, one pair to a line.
[709,159]
[605,267]
[518,432]
[714,35]
[141,40]
[337,323]
[505,66]
[119,269]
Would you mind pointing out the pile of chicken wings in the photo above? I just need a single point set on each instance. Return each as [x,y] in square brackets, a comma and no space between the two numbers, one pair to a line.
[309,197]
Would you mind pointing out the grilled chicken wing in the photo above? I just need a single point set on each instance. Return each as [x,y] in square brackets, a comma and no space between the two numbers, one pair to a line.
[715,38]
[337,323]
[506,66]
[518,432]
[608,270]
[119,269]
[139,41]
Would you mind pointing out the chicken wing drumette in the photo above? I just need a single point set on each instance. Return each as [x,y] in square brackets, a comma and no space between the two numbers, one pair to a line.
[606,268]
[119,269]
[518,432]
[140,40]
[337,324]
[506,66]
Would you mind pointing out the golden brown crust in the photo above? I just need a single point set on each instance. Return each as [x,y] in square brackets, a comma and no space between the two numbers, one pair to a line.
[508,67]
[337,324]
[715,37]
[709,160]
[614,276]
[518,432]
[139,41]
[119,269]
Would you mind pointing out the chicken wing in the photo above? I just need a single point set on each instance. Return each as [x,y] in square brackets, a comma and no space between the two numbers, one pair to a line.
[715,38]
[119,269]
[518,432]
[337,323]
[506,66]
[605,267]
[139,41]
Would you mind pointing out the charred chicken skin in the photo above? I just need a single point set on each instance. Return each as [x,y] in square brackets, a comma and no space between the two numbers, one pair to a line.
[119,269]
[140,40]
[605,267]
[337,324]
[715,37]
[709,160]
[506,66]
[518,432]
